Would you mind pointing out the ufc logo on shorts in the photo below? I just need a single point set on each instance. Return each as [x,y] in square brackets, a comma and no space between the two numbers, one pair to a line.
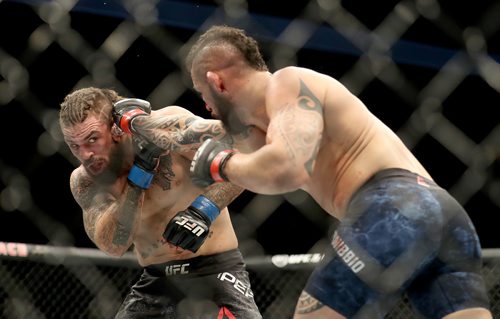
[177,270]
[193,227]
[240,286]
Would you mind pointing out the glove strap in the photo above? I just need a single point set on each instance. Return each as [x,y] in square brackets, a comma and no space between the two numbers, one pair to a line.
[217,165]
[140,177]
[127,117]
[206,206]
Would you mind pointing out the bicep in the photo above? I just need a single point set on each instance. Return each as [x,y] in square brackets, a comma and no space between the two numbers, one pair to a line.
[181,132]
[296,120]
[197,130]
[297,133]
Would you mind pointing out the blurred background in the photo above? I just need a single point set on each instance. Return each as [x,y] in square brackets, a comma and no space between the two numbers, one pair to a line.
[429,69]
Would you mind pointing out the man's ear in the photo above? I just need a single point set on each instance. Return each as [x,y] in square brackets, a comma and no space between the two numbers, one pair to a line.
[215,81]
[116,133]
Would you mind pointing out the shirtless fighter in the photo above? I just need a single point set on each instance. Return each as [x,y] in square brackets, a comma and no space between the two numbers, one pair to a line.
[134,189]
[399,231]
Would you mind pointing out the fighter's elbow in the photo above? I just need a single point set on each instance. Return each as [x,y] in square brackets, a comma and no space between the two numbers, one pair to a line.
[112,238]
[110,247]
[117,252]
[113,250]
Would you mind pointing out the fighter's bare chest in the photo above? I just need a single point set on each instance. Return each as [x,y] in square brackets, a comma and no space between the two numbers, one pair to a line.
[170,182]
[171,172]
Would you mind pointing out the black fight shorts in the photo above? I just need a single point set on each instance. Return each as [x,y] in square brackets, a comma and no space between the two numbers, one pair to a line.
[204,287]
[402,233]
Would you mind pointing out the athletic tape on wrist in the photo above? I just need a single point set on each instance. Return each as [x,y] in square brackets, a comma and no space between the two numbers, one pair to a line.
[140,177]
[206,206]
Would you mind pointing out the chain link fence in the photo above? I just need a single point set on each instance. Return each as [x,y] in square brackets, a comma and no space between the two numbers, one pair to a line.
[54,282]
[429,69]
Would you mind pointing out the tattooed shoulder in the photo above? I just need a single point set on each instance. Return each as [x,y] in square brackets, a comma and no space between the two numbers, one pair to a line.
[90,199]
[83,188]
[307,100]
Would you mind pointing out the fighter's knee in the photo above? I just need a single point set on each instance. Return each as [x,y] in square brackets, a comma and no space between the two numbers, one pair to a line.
[309,307]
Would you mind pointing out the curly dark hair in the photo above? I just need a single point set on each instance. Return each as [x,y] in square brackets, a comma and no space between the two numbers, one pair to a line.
[77,105]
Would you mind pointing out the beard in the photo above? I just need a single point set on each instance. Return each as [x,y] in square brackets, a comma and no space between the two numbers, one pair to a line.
[114,165]
[227,115]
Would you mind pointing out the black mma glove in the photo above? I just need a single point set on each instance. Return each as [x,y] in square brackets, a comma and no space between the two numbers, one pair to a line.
[147,156]
[190,227]
[126,110]
[207,166]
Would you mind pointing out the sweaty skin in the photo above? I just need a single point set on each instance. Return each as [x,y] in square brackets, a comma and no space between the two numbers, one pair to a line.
[319,137]
[117,215]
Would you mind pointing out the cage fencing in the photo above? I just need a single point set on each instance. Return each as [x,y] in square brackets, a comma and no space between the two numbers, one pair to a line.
[428,68]
[60,282]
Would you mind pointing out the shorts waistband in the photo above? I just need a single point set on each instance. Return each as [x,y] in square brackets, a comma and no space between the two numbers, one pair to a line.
[401,173]
[199,265]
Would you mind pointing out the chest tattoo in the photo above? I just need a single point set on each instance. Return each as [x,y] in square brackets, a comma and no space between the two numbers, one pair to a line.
[147,252]
[165,174]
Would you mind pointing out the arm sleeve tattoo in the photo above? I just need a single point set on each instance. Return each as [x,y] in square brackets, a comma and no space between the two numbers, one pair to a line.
[109,222]
[127,216]
[179,133]
[222,194]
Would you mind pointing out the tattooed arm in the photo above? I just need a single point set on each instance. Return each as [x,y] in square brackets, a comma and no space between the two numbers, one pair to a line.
[176,129]
[293,138]
[109,222]
[222,194]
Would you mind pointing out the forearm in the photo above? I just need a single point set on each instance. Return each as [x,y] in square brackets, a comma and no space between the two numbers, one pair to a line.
[265,171]
[222,194]
[155,131]
[179,133]
[190,228]
[115,232]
